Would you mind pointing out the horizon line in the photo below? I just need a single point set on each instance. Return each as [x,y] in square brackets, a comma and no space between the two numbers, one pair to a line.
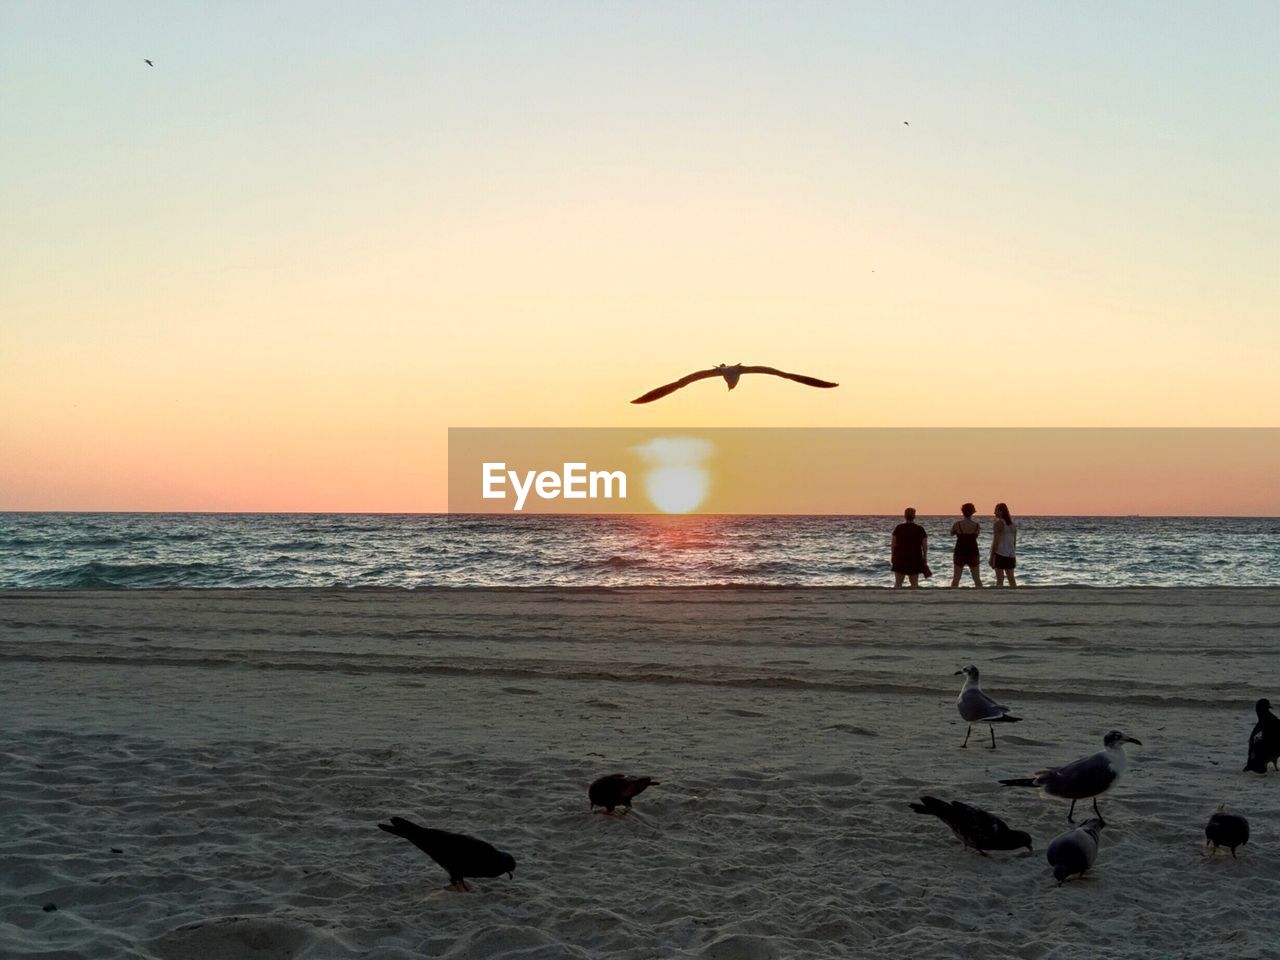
[673,516]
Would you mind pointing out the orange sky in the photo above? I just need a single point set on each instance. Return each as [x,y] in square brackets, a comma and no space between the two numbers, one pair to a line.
[271,272]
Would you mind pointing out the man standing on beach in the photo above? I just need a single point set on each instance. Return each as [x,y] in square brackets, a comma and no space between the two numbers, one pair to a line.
[910,547]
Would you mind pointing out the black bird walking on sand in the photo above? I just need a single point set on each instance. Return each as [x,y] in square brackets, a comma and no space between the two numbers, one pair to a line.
[617,790]
[460,855]
[1264,740]
[1072,853]
[976,707]
[731,376]
[1082,779]
[1228,830]
[978,829]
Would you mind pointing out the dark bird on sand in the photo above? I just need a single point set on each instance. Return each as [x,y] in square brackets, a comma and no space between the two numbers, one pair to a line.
[731,376]
[460,855]
[617,790]
[148,63]
[978,829]
[1087,777]
[1072,853]
[1228,830]
[1264,741]
[976,707]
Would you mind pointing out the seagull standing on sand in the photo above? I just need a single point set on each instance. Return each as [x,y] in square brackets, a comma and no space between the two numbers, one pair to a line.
[1073,852]
[1264,741]
[976,707]
[1087,777]
[460,855]
[731,376]
[978,829]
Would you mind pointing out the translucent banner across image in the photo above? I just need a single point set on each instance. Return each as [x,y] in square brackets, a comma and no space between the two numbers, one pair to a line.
[821,471]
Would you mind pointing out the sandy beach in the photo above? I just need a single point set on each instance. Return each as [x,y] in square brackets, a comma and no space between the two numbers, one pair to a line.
[198,774]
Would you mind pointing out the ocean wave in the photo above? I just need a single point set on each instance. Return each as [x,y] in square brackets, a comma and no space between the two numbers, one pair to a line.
[97,575]
[613,563]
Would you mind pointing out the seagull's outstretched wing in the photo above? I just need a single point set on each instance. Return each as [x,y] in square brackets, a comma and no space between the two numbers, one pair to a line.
[797,377]
[660,392]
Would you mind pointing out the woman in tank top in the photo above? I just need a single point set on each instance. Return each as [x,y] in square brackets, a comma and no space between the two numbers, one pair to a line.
[966,533]
[1004,545]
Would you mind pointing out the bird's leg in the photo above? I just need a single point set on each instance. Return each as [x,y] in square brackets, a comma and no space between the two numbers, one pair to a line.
[1233,853]
[459,886]
[993,735]
[1070,818]
[966,736]
[1098,812]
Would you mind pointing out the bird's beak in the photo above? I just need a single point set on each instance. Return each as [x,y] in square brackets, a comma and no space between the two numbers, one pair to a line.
[1134,740]
[957,673]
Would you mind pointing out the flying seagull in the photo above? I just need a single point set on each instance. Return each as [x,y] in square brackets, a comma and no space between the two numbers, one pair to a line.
[460,855]
[978,829]
[731,376]
[1087,777]
[1228,830]
[1073,852]
[1264,740]
[617,790]
[148,63]
[976,707]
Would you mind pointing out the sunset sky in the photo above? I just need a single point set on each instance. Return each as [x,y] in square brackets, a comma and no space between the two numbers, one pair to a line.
[271,272]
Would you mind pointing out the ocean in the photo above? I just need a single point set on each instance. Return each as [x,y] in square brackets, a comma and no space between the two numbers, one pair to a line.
[122,550]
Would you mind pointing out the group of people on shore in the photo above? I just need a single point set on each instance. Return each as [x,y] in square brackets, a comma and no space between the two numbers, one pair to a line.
[910,548]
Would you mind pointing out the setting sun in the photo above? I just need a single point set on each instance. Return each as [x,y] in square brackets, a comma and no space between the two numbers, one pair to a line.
[677,489]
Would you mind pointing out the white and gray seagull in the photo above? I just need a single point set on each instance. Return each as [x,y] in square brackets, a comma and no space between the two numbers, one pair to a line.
[976,707]
[1082,779]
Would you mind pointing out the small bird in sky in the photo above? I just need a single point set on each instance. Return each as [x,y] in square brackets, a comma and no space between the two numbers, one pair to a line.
[148,63]
[731,376]
[905,123]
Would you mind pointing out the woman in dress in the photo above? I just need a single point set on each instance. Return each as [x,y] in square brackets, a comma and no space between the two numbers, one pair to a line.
[966,533]
[1004,546]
